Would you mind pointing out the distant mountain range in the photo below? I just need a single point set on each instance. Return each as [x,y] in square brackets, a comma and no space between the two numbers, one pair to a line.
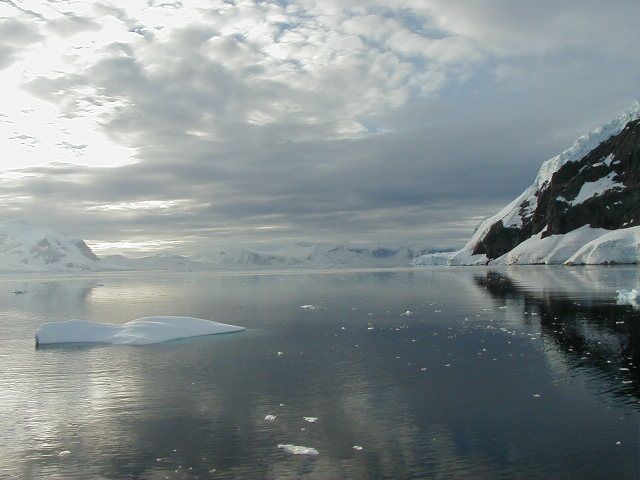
[28,248]
[583,208]
[301,255]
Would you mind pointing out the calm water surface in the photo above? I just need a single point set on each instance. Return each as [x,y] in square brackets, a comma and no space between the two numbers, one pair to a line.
[513,373]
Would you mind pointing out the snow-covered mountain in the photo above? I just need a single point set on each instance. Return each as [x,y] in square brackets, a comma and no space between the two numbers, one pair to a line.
[26,248]
[586,192]
[302,255]
[176,263]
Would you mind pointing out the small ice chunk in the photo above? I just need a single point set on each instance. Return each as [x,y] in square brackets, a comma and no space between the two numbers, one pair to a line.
[357,447]
[310,419]
[298,450]
[628,297]
[269,418]
[64,453]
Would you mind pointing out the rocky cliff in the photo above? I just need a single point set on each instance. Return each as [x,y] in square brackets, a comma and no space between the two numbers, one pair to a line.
[595,183]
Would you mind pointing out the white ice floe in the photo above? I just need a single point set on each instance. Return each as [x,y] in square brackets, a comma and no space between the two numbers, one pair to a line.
[310,419]
[142,331]
[629,297]
[616,246]
[297,450]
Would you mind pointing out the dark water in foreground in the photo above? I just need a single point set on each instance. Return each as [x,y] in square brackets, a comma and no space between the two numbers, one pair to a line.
[519,373]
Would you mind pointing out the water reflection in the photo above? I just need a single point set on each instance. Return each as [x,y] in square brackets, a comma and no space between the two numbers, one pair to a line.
[447,392]
[590,332]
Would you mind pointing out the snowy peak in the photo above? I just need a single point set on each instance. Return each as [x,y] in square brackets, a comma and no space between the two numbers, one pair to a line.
[596,182]
[25,247]
[318,256]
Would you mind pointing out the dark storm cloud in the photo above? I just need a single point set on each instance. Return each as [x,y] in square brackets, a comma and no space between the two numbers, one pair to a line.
[322,127]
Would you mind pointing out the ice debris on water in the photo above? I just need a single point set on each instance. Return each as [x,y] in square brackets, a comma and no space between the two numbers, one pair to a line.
[629,297]
[298,450]
[269,418]
[310,419]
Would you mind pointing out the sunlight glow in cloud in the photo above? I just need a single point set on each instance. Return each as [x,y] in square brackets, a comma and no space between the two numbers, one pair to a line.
[250,121]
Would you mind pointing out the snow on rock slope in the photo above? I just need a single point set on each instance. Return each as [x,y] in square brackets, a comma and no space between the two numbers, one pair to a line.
[596,182]
[27,248]
[552,250]
[143,331]
[617,246]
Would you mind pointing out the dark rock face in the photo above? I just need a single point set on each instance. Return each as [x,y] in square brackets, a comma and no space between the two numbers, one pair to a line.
[617,158]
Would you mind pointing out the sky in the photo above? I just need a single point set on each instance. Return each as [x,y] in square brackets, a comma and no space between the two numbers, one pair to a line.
[179,126]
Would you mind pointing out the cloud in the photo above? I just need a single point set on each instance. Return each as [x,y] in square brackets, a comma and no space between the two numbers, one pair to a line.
[15,37]
[395,121]
[69,24]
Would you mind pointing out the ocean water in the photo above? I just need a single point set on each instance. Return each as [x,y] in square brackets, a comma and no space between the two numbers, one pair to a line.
[435,373]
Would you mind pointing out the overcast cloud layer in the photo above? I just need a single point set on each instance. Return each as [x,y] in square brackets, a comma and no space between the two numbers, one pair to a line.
[190,125]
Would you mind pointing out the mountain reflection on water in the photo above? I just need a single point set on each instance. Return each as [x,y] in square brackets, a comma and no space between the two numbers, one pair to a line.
[590,333]
[511,373]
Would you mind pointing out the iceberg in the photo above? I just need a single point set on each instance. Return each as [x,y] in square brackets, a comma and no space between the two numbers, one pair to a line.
[297,450]
[142,331]
[628,297]
[433,259]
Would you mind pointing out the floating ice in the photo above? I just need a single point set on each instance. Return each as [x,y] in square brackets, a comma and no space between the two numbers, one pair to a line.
[297,450]
[142,331]
[628,297]
[310,419]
